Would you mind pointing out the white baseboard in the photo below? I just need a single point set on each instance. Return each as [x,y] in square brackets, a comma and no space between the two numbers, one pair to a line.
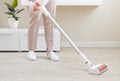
[92,44]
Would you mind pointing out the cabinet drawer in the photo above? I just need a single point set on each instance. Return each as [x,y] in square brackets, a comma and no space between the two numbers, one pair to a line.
[9,40]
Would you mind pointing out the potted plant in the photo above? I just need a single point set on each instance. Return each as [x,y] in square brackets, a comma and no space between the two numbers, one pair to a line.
[12,12]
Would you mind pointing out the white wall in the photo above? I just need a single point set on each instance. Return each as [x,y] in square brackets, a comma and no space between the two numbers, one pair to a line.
[82,23]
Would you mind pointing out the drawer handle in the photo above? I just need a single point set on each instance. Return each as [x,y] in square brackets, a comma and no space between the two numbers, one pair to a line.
[38,34]
[5,34]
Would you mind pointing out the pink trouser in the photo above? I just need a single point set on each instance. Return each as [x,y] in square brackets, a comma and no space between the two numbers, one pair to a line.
[34,25]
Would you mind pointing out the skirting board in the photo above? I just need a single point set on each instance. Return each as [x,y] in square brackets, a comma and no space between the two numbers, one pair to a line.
[92,44]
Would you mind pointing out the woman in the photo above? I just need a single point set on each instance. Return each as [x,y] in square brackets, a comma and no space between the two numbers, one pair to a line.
[33,28]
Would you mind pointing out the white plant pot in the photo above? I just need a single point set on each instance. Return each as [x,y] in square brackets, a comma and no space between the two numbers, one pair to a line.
[13,23]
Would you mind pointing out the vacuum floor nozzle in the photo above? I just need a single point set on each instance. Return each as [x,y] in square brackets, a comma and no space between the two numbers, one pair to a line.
[98,69]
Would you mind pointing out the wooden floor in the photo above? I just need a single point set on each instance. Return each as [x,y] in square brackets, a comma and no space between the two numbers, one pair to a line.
[14,66]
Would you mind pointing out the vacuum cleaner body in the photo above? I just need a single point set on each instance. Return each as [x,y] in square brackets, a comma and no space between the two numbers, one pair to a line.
[93,69]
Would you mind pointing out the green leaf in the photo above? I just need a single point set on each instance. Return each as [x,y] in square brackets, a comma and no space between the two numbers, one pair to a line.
[10,8]
[19,10]
[9,13]
[14,3]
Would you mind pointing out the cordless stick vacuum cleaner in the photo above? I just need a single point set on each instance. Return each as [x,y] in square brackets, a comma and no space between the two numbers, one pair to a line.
[93,69]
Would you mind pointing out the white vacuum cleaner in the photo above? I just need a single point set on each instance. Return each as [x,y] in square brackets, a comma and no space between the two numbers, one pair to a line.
[93,69]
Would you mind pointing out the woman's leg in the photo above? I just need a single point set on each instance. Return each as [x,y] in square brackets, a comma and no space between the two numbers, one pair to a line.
[51,7]
[33,29]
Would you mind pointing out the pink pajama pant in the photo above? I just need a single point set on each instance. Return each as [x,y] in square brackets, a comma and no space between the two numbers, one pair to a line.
[34,25]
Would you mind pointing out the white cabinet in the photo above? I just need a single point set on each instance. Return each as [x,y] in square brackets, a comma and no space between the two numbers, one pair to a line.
[41,44]
[9,40]
[17,40]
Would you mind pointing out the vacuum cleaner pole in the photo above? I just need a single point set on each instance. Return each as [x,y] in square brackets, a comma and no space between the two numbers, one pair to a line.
[85,59]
